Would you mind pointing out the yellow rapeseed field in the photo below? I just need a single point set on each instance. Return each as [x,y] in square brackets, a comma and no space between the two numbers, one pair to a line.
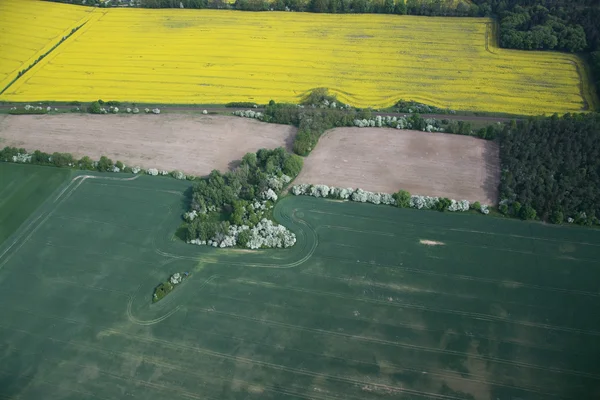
[29,29]
[217,56]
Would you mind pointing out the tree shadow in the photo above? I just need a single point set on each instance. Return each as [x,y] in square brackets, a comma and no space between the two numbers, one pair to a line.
[186,200]
[289,140]
[234,164]
[491,156]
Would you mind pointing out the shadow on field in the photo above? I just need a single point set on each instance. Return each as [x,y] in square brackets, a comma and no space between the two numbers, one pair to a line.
[186,202]
[289,141]
[491,155]
[233,164]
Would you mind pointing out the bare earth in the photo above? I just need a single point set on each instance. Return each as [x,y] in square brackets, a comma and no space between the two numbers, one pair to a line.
[190,143]
[386,160]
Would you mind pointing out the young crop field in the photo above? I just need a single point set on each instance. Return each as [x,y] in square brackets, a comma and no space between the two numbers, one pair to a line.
[218,56]
[22,190]
[29,29]
[372,302]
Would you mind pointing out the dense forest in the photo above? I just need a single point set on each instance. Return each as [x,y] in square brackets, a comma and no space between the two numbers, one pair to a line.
[551,168]
[546,24]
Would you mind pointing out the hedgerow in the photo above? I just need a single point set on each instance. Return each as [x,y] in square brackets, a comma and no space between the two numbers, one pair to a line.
[402,198]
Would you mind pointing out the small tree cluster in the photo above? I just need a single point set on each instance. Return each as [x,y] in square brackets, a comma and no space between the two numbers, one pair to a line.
[245,195]
[249,114]
[167,287]
[411,122]
[414,107]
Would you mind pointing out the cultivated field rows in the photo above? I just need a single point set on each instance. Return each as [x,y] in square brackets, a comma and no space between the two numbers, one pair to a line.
[195,144]
[216,56]
[387,160]
[360,308]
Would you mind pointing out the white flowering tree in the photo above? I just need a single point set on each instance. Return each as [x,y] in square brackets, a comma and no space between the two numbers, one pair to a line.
[363,196]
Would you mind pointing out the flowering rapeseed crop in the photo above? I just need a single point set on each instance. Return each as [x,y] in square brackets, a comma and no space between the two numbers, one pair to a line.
[217,56]
[29,29]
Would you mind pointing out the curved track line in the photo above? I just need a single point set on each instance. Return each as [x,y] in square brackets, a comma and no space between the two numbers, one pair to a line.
[154,321]
[210,260]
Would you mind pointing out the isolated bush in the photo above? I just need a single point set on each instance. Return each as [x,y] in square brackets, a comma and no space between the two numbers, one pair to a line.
[402,198]
[178,175]
[86,163]
[105,164]
[293,165]
[443,203]
[527,213]
[557,217]
[95,108]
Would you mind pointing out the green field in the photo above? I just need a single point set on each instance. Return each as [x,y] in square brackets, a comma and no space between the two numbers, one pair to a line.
[358,309]
[22,189]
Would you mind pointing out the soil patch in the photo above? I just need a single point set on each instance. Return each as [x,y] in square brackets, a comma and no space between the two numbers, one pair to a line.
[431,243]
[386,160]
[190,143]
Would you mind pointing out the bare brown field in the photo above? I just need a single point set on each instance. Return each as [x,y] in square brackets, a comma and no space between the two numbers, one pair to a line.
[190,143]
[386,160]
